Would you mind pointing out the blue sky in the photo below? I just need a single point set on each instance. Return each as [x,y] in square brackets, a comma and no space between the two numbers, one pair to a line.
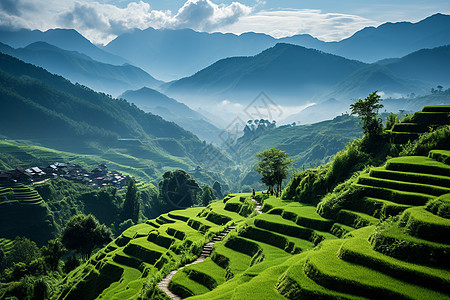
[102,20]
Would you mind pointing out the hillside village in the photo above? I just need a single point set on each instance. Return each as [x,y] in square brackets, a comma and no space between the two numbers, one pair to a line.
[97,177]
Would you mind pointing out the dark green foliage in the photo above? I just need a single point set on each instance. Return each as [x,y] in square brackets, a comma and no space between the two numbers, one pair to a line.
[24,250]
[312,184]
[217,189]
[436,139]
[367,109]
[391,120]
[207,195]
[84,233]
[131,205]
[53,252]
[178,190]
[273,166]
[71,263]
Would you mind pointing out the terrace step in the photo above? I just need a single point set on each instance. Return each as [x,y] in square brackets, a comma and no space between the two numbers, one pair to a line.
[436,180]
[378,207]
[396,196]
[331,272]
[359,251]
[442,156]
[418,164]
[355,219]
[403,186]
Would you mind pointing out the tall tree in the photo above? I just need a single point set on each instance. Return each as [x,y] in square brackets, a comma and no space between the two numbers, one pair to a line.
[207,195]
[367,110]
[273,166]
[217,189]
[84,233]
[131,205]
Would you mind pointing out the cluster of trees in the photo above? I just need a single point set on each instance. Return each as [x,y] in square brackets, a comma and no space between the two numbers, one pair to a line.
[30,270]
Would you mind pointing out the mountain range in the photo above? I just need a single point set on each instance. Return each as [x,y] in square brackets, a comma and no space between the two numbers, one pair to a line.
[77,67]
[171,54]
[293,75]
[67,39]
[49,110]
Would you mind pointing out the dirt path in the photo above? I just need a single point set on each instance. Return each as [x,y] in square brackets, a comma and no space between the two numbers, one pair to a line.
[207,249]
[258,206]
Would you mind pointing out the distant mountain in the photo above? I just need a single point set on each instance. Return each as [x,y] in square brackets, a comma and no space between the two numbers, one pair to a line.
[80,68]
[393,39]
[373,77]
[150,100]
[286,72]
[48,109]
[318,112]
[67,39]
[172,54]
[429,65]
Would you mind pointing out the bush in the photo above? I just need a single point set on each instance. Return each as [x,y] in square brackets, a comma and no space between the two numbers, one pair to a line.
[436,139]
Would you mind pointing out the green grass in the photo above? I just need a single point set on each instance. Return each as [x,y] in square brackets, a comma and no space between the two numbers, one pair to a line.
[235,261]
[442,156]
[425,225]
[303,215]
[325,268]
[206,273]
[391,239]
[437,180]
[294,284]
[355,219]
[359,251]
[273,202]
[418,164]
[403,186]
[185,287]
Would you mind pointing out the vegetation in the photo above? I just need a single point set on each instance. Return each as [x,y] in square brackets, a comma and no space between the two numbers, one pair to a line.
[273,166]
[131,205]
[84,233]
[393,212]
[367,109]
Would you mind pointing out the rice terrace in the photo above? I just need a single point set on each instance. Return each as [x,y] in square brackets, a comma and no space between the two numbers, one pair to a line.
[221,150]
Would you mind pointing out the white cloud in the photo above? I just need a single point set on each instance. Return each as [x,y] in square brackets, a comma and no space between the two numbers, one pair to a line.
[101,22]
[325,26]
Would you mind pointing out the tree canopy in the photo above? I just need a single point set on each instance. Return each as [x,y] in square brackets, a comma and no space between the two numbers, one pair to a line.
[84,233]
[131,205]
[367,110]
[273,166]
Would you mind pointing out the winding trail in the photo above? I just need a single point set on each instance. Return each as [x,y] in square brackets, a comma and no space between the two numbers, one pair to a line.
[258,206]
[206,252]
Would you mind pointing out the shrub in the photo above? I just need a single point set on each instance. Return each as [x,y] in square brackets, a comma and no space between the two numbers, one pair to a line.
[436,139]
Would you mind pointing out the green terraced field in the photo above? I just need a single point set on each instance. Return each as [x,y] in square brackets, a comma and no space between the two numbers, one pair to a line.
[291,251]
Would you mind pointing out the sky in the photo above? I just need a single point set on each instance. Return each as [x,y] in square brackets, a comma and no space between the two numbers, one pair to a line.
[103,20]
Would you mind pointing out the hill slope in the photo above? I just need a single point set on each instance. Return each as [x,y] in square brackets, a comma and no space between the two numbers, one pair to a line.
[82,69]
[150,100]
[285,72]
[64,116]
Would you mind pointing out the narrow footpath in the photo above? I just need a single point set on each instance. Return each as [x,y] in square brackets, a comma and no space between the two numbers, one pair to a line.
[206,252]
[258,206]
